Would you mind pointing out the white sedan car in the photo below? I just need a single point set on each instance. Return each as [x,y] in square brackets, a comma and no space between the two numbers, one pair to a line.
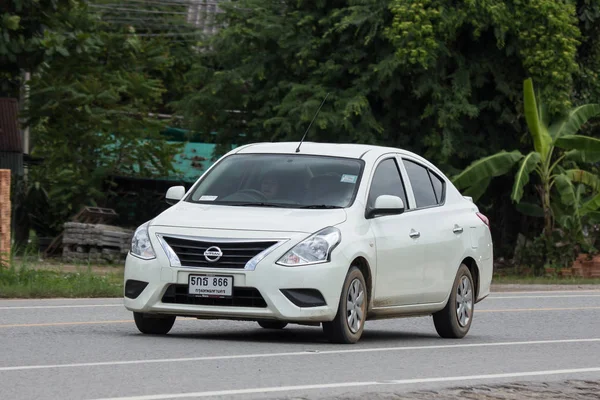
[331,235]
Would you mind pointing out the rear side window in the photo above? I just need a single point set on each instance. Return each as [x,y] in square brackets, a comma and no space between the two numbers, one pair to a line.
[421,184]
[438,187]
[387,180]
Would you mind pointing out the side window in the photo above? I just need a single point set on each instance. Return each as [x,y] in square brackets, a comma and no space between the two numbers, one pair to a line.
[387,180]
[438,187]
[421,184]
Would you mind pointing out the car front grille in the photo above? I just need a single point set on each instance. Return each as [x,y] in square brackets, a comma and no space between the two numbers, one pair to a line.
[235,254]
[242,297]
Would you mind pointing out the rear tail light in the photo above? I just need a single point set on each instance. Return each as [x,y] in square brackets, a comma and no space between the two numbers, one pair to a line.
[485,219]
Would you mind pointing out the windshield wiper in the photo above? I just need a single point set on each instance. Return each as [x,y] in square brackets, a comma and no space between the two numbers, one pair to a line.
[257,205]
[321,207]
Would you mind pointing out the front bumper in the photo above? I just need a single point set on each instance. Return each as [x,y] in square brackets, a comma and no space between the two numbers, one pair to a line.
[268,278]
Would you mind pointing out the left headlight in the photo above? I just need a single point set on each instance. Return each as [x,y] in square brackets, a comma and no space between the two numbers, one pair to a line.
[314,250]
[140,244]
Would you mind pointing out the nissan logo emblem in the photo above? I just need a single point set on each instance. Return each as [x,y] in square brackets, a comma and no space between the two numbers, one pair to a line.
[213,254]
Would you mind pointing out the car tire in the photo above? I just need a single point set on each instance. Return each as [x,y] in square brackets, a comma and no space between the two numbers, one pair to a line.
[272,324]
[348,325]
[454,321]
[154,324]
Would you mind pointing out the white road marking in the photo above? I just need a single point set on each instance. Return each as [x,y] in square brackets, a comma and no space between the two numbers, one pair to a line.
[121,304]
[296,353]
[62,306]
[274,389]
[542,297]
[64,299]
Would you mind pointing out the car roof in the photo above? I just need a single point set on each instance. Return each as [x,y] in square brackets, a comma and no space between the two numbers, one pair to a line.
[348,150]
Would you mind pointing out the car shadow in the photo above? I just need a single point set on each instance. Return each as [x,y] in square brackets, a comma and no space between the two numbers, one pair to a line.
[296,335]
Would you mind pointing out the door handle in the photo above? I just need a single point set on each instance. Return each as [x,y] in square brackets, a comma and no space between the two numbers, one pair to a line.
[457,229]
[414,234]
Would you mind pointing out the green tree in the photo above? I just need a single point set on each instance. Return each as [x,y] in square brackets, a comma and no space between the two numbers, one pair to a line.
[545,160]
[438,77]
[27,38]
[92,114]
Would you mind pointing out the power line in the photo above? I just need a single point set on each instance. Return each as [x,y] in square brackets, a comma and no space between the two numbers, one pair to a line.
[150,24]
[175,2]
[165,34]
[138,10]
[200,14]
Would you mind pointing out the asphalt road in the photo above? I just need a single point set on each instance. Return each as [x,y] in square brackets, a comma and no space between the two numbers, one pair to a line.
[91,349]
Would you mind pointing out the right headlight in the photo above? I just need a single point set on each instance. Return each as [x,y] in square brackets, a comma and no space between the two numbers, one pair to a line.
[314,250]
[140,244]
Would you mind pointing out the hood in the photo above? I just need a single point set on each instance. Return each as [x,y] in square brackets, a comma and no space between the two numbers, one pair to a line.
[207,216]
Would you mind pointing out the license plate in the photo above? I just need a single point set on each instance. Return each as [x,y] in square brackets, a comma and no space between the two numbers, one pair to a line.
[210,285]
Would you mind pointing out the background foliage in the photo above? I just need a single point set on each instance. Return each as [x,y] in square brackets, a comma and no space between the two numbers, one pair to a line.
[95,95]
[442,78]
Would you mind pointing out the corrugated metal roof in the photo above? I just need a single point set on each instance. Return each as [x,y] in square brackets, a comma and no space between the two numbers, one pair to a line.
[10,134]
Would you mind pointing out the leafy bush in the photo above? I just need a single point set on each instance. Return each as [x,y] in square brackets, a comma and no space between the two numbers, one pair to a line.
[559,250]
[566,193]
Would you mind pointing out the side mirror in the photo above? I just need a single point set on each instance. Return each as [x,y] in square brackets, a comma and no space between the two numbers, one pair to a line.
[386,205]
[174,194]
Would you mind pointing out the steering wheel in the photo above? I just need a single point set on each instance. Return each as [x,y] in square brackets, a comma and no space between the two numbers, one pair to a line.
[256,193]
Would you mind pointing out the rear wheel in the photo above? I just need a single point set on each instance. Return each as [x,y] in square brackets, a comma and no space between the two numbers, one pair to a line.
[454,321]
[154,324]
[347,326]
[272,324]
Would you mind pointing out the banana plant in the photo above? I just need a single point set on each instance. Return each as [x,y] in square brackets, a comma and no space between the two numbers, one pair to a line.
[552,146]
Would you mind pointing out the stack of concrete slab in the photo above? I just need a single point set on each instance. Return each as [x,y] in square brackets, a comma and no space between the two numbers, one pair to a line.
[95,242]
[5,210]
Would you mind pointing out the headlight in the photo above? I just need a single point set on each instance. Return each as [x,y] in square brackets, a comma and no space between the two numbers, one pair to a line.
[313,250]
[140,244]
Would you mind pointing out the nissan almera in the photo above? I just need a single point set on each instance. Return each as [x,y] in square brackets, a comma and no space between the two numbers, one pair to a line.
[331,235]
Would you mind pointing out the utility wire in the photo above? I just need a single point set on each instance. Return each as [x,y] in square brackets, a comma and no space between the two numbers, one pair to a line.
[170,3]
[164,34]
[138,10]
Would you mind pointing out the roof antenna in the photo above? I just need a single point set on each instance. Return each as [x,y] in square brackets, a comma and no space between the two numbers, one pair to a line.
[311,122]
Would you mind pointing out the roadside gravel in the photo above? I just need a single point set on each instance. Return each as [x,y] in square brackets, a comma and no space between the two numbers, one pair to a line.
[539,287]
[565,390]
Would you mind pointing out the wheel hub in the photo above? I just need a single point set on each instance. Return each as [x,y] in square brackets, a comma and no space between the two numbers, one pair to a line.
[464,302]
[355,306]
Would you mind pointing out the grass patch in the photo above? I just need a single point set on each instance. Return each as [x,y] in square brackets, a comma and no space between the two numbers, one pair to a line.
[544,280]
[27,282]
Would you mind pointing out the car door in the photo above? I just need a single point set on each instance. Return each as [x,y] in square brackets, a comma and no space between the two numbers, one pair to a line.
[437,222]
[399,278]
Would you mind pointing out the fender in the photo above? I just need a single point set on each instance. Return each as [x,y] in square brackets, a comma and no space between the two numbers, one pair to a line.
[469,254]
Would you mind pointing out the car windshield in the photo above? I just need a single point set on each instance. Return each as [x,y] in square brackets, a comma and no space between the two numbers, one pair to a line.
[280,180]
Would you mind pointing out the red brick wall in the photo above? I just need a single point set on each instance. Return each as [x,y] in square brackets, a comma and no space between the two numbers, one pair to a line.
[4,213]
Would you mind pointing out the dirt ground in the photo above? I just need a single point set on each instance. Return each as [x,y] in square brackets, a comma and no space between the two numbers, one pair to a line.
[566,390]
[510,287]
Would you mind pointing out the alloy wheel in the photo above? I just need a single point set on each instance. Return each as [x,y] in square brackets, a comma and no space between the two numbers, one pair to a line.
[464,301]
[355,306]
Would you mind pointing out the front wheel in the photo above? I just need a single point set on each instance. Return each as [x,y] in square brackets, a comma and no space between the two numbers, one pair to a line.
[154,324]
[454,321]
[347,326]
